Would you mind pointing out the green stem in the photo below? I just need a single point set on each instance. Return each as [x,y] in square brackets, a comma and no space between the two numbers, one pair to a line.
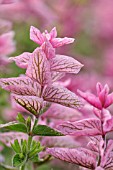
[22,167]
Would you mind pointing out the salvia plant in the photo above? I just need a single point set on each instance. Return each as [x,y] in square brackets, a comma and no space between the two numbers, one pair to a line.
[39,93]
[34,92]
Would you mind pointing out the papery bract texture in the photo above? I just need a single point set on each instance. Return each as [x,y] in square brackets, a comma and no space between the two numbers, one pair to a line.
[107,159]
[21,85]
[40,38]
[82,157]
[39,68]
[84,127]
[62,63]
[61,95]
[31,103]
[21,60]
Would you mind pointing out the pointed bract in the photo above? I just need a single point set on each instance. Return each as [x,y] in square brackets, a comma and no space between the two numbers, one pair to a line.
[36,35]
[80,157]
[103,99]
[39,68]
[62,63]
[58,42]
[48,49]
[40,38]
[84,127]
[53,33]
[90,98]
[21,60]
[57,75]
[61,95]
[20,85]
[31,103]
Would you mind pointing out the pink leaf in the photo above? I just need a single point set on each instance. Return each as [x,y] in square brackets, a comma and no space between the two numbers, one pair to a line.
[80,157]
[62,63]
[36,35]
[61,95]
[31,103]
[108,126]
[57,75]
[20,85]
[57,111]
[107,160]
[21,90]
[84,127]
[90,98]
[95,144]
[48,49]
[53,33]
[58,42]
[21,60]
[39,68]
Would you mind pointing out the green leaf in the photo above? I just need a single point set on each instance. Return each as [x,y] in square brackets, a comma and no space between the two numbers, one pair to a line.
[24,146]
[14,126]
[28,123]
[29,142]
[19,160]
[43,130]
[35,159]
[20,118]
[16,146]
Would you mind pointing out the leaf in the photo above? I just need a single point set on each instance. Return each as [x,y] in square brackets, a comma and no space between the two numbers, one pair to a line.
[21,60]
[39,68]
[20,85]
[14,126]
[48,49]
[108,125]
[57,111]
[43,130]
[58,42]
[84,127]
[62,63]
[57,75]
[20,118]
[16,146]
[19,160]
[36,35]
[61,95]
[31,103]
[95,144]
[107,159]
[81,157]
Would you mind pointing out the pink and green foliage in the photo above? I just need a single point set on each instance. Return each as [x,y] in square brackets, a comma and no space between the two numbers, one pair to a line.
[96,129]
[37,90]
[55,118]
[34,90]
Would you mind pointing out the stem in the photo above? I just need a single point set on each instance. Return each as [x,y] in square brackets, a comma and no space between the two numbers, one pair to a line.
[103,137]
[35,123]
[22,167]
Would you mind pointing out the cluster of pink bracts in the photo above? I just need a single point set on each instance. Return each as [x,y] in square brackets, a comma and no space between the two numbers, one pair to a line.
[7,44]
[38,88]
